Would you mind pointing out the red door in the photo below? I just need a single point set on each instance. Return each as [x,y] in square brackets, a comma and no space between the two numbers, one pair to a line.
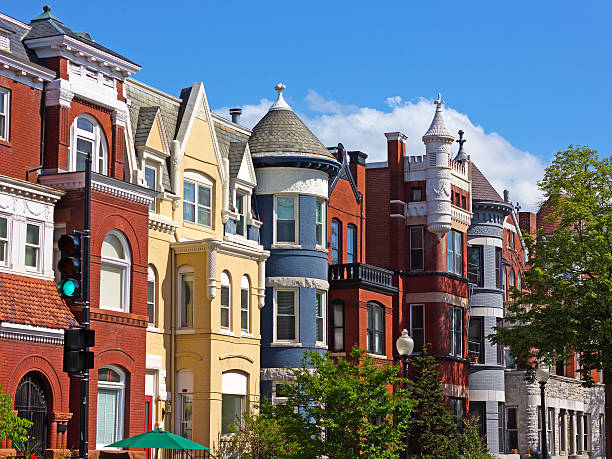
[148,418]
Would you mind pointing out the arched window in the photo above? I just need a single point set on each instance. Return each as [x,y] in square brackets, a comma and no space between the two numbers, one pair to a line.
[111,405]
[519,281]
[511,282]
[115,272]
[226,305]
[185,297]
[151,295]
[336,241]
[87,137]
[245,304]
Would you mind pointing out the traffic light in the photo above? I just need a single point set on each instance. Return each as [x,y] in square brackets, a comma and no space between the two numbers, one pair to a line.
[70,265]
[76,358]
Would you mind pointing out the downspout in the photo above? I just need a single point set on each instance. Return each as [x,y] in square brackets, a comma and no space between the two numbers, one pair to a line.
[361,258]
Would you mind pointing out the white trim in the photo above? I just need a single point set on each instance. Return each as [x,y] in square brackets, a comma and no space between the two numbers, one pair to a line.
[23,332]
[31,191]
[490,241]
[97,139]
[486,311]
[125,265]
[484,395]
[323,244]
[436,297]
[120,406]
[37,247]
[6,112]
[296,315]
[152,277]
[296,220]
[292,180]
[296,282]
[161,223]
[245,285]
[321,343]
[226,283]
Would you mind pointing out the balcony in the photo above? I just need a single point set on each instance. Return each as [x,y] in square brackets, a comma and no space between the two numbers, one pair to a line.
[361,275]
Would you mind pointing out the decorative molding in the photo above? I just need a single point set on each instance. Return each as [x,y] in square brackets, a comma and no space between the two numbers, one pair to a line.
[35,74]
[34,192]
[119,118]
[211,272]
[236,356]
[32,334]
[288,281]
[278,180]
[396,136]
[436,297]
[483,311]
[162,224]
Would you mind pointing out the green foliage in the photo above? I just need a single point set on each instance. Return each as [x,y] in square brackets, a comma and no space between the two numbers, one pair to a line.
[432,430]
[569,282]
[11,425]
[336,408]
[472,444]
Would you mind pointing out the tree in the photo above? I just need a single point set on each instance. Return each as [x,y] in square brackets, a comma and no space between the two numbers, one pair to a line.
[338,408]
[11,426]
[569,280]
[431,430]
[471,443]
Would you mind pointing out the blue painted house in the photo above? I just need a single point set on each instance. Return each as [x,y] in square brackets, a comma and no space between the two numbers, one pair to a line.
[293,169]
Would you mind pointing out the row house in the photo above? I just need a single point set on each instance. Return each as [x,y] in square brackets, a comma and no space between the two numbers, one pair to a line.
[205,271]
[360,307]
[63,98]
[425,202]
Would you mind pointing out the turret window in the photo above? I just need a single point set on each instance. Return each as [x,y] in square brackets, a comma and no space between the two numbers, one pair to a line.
[286,216]
[320,219]
[454,243]
[286,309]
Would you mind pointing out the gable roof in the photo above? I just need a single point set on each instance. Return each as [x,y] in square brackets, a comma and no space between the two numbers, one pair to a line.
[232,145]
[482,190]
[31,301]
[146,119]
[344,173]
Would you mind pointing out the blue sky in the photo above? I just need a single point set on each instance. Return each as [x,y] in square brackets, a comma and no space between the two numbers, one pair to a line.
[537,74]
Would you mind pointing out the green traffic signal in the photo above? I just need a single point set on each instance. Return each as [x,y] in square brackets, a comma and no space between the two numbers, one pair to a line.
[68,288]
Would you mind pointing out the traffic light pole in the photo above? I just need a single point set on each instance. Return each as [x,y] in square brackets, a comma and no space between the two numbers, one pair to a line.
[86,246]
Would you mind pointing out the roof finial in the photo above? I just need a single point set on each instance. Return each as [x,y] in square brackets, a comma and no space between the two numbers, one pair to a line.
[46,8]
[280,103]
[461,155]
[439,102]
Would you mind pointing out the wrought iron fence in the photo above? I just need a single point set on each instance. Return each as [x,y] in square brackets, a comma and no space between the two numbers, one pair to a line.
[183,454]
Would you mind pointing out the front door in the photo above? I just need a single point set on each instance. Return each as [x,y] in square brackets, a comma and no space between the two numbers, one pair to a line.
[148,418]
[31,403]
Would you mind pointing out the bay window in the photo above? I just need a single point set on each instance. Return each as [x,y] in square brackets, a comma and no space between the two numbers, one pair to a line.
[476,340]
[234,386]
[115,272]
[417,326]
[321,307]
[320,222]
[286,219]
[475,265]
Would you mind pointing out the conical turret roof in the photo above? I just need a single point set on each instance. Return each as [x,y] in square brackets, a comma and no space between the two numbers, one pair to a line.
[281,132]
[438,125]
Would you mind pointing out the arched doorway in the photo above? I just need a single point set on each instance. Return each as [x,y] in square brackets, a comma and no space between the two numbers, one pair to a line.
[32,402]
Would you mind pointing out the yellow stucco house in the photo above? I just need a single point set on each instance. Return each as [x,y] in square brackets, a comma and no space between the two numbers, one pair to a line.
[206,266]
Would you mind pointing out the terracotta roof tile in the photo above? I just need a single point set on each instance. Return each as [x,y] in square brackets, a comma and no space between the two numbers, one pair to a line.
[31,301]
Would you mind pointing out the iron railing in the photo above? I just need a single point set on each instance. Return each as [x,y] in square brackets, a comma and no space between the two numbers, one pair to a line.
[358,274]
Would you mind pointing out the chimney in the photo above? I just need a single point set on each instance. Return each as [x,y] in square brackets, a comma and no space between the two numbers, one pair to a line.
[235,113]
[507,196]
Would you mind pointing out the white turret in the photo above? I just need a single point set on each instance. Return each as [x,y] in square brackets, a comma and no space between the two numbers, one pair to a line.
[438,141]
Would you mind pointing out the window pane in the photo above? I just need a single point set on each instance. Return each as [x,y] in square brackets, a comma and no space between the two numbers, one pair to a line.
[188,212]
[187,300]
[188,191]
[151,301]
[2,126]
[417,316]
[31,257]
[32,234]
[285,302]
[85,124]
[285,208]
[338,315]
[203,196]
[231,412]
[338,339]
[3,232]
[350,244]
[244,307]
[319,212]
[111,286]
[150,177]
[285,327]
[203,216]
[107,419]
[285,231]
[112,247]
[186,416]
[84,146]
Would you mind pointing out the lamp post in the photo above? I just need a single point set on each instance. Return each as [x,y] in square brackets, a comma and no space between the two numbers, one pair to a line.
[405,345]
[541,376]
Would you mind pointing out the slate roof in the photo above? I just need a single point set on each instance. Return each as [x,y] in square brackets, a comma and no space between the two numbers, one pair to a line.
[282,132]
[18,50]
[232,145]
[47,25]
[143,107]
[482,190]
[31,301]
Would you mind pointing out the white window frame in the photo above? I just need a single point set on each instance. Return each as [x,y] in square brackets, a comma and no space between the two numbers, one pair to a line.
[199,180]
[296,309]
[126,270]
[320,224]
[412,328]
[154,166]
[183,270]
[184,388]
[225,283]
[245,286]
[37,247]
[6,113]
[6,241]
[242,195]
[451,331]
[296,213]
[234,383]
[376,306]
[323,317]
[97,137]
[120,387]
[354,240]
[152,278]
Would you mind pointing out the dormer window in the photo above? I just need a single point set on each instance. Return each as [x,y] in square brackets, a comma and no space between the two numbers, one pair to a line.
[150,173]
[241,207]
[5,42]
[88,137]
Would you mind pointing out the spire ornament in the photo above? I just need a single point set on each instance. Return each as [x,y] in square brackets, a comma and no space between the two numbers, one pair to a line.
[461,155]
[280,103]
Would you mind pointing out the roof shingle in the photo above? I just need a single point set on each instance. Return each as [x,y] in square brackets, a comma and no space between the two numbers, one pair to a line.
[482,190]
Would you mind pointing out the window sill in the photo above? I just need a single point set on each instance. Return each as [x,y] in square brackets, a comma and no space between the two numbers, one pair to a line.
[153,329]
[226,332]
[287,344]
[244,334]
[185,331]
[193,225]
[6,143]
[320,248]
[378,356]
[320,345]
[281,245]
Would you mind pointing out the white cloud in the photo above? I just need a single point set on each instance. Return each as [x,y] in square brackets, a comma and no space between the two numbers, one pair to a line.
[363,128]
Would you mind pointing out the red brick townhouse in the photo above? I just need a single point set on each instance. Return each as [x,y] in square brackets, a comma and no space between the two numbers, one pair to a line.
[418,213]
[360,295]
[80,108]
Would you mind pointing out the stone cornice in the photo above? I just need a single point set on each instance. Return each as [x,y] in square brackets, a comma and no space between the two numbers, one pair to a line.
[32,191]
[36,73]
[32,334]
[162,224]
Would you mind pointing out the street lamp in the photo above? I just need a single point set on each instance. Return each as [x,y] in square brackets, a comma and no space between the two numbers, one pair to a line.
[541,376]
[405,345]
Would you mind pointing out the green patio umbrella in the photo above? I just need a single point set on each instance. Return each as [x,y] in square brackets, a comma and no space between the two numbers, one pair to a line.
[157,439]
